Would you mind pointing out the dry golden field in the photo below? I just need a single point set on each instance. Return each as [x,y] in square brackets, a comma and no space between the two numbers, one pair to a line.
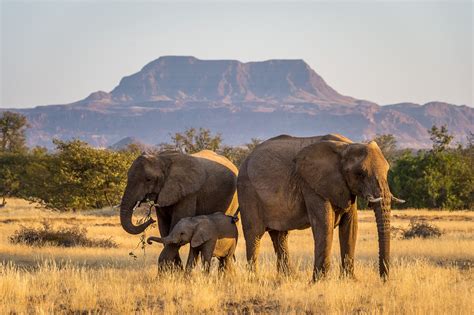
[432,276]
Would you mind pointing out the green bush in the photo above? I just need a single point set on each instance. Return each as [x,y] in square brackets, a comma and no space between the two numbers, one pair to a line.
[434,179]
[77,176]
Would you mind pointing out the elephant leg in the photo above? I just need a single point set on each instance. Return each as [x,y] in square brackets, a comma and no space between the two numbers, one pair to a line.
[252,224]
[229,264]
[192,259]
[224,265]
[207,251]
[321,217]
[169,257]
[184,208]
[252,246]
[347,240]
[280,245]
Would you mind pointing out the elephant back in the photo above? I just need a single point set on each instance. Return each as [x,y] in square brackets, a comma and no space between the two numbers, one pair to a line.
[213,156]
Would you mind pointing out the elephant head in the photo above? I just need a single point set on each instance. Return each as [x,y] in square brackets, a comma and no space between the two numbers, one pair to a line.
[165,179]
[339,171]
[187,230]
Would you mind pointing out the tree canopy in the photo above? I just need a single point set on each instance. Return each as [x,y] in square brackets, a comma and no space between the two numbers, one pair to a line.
[12,132]
[78,176]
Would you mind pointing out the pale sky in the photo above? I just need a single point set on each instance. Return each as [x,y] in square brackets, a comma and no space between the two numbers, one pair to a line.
[387,52]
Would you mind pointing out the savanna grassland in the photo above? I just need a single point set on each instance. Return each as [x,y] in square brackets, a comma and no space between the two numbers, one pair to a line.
[428,276]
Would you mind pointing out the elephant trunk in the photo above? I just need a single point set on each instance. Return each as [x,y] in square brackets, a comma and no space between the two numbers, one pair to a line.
[382,217]
[126,211]
[154,239]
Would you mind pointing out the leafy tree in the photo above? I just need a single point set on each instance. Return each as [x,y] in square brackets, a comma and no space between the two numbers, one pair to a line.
[253,143]
[439,178]
[192,141]
[82,177]
[238,154]
[12,167]
[388,144]
[76,176]
[440,137]
[12,132]
[235,154]
[468,151]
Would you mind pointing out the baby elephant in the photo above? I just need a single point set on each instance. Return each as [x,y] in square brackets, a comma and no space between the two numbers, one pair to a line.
[213,235]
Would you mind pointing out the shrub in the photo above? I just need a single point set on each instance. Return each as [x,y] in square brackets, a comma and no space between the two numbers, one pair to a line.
[396,232]
[421,228]
[65,236]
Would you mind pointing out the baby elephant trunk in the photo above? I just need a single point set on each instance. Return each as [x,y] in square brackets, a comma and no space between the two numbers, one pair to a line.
[152,239]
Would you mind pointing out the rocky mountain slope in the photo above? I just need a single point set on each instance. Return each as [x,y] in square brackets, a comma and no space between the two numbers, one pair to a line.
[239,100]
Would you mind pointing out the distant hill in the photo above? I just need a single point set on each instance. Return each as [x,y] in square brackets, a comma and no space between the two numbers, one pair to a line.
[127,142]
[239,100]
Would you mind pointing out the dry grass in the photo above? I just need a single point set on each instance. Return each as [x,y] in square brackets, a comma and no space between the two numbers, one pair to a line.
[428,275]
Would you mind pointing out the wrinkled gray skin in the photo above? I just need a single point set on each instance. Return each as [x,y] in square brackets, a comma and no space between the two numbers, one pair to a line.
[182,186]
[290,183]
[213,235]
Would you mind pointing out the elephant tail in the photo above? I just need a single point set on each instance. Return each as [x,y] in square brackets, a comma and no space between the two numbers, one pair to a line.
[235,217]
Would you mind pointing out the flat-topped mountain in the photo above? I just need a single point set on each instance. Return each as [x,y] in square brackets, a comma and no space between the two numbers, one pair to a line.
[239,100]
[190,79]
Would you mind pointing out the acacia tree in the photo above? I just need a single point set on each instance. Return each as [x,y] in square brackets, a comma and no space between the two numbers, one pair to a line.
[194,140]
[438,178]
[75,176]
[388,144]
[12,149]
[238,154]
[440,137]
[12,132]
[191,141]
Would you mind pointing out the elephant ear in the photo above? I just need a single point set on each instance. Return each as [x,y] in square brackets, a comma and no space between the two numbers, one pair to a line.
[319,166]
[202,234]
[185,176]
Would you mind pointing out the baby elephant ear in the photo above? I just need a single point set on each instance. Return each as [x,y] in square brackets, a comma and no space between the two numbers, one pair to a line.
[201,235]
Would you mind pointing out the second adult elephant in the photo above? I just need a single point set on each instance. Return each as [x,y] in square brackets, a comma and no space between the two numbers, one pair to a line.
[290,183]
[181,186]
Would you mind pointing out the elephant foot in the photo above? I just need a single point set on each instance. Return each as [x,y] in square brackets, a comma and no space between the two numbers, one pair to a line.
[170,266]
[252,267]
[347,273]
[349,276]
[319,275]
[285,271]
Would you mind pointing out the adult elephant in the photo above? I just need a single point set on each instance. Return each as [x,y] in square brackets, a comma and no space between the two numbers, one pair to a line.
[290,183]
[181,186]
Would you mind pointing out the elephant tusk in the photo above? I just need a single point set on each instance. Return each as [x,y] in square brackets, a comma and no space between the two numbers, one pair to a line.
[137,204]
[398,200]
[372,199]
